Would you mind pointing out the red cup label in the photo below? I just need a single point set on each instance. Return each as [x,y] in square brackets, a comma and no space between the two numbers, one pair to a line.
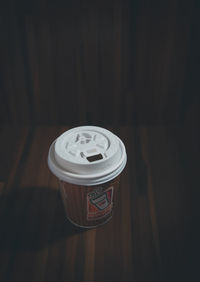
[99,203]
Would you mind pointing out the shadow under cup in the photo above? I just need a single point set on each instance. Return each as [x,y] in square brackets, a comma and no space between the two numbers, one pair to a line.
[90,206]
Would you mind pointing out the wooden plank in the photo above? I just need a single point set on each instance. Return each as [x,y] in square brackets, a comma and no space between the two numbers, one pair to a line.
[69,62]
[187,139]
[1,187]
[10,139]
[21,218]
[125,212]
[159,65]
[171,201]
[14,150]
[13,68]
[41,61]
[145,258]
[147,237]
[151,197]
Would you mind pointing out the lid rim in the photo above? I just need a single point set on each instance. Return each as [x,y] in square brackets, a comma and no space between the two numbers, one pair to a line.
[86,181]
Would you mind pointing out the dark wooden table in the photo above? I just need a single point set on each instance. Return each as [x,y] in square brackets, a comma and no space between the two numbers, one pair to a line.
[153,234]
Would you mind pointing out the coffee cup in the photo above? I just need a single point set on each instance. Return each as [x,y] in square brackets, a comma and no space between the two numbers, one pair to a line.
[88,161]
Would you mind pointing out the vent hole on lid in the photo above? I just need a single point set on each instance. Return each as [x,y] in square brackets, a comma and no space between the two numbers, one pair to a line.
[95,158]
[77,138]
[82,155]
[86,135]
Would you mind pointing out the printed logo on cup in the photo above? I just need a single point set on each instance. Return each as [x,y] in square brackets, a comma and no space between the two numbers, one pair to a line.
[99,203]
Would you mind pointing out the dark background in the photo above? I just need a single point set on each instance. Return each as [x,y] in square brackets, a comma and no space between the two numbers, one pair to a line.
[99,62]
[130,66]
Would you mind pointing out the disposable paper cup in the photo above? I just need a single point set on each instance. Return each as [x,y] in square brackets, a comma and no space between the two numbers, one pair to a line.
[88,161]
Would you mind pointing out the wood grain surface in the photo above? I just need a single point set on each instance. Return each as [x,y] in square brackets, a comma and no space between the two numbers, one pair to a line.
[98,62]
[153,235]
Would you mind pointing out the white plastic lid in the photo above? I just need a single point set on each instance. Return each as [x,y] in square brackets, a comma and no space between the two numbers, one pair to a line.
[87,155]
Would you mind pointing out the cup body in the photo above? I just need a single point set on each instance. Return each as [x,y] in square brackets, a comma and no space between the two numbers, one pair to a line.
[89,206]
